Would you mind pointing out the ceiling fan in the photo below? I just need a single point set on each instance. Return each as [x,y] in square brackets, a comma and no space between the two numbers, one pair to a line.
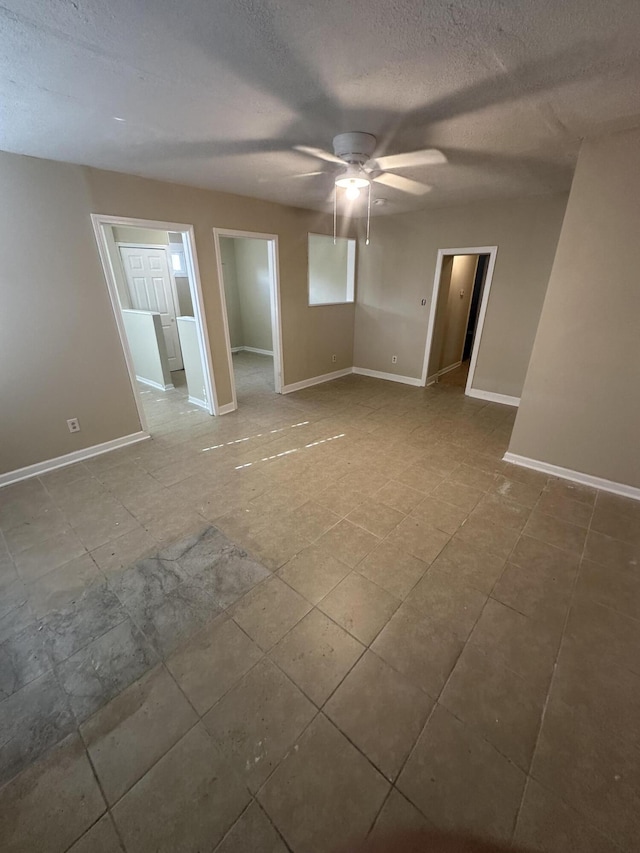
[355,150]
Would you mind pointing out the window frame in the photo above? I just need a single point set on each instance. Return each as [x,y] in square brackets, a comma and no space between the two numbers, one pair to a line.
[351,271]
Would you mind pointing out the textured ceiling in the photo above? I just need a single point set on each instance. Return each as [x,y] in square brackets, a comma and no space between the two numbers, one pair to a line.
[215,93]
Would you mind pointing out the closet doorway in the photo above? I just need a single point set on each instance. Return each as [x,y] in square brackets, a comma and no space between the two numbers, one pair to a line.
[250,296]
[461,288]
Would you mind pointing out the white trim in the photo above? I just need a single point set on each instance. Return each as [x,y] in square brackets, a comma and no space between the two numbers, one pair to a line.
[227,408]
[259,351]
[276,309]
[153,384]
[450,368]
[351,270]
[316,380]
[431,379]
[477,336]
[392,377]
[196,402]
[99,220]
[434,376]
[48,465]
[253,349]
[492,251]
[575,476]
[204,344]
[505,399]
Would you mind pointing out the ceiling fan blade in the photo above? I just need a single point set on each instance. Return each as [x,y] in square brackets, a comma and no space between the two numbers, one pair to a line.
[397,182]
[426,157]
[318,152]
[288,177]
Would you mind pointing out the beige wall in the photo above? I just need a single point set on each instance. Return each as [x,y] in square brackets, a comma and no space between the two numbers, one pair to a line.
[117,269]
[581,402]
[452,313]
[183,291]
[60,348]
[247,290]
[254,292]
[396,271]
[460,290]
[135,234]
[440,320]
[183,288]
[65,354]
[309,335]
[231,294]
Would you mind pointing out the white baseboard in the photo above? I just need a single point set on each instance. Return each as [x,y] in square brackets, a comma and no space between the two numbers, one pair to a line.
[70,458]
[259,351]
[197,402]
[450,368]
[362,371]
[575,476]
[435,376]
[492,397]
[391,377]
[253,349]
[227,408]
[157,385]
[315,380]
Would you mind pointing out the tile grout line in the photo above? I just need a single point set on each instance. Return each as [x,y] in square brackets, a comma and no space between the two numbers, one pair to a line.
[430,715]
[526,772]
[554,670]
[351,570]
[102,792]
[468,640]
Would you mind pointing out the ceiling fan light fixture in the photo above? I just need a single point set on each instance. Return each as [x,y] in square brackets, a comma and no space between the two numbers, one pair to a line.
[352,182]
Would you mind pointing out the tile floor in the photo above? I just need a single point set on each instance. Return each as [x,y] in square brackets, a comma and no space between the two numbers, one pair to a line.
[324,616]
[253,375]
[457,377]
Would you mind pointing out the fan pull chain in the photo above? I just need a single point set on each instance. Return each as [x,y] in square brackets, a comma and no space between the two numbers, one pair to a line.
[335,212]
[366,242]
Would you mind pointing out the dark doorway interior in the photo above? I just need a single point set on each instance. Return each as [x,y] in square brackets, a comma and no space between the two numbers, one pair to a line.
[478,284]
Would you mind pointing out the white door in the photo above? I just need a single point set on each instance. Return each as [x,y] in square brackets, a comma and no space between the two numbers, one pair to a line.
[150,289]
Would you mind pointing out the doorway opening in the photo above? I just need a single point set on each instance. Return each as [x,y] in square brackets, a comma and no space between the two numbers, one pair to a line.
[250,296]
[461,289]
[152,276]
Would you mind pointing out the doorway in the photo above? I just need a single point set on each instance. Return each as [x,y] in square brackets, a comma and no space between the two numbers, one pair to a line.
[250,296]
[152,277]
[151,287]
[461,289]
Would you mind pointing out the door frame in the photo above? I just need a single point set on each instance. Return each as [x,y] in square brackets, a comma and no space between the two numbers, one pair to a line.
[172,280]
[492,251]
[274,288]
[99,220]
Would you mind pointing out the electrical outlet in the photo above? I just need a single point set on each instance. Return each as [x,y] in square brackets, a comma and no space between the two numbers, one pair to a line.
[334,358]
[73,424]
[394,359]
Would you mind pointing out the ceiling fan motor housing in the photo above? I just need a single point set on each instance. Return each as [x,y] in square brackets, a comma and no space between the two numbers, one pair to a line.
[354,147]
